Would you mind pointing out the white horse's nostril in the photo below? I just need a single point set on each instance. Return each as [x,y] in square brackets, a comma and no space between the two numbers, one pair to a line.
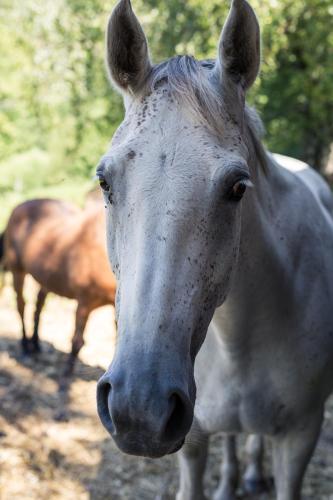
[104,389]
[180,417]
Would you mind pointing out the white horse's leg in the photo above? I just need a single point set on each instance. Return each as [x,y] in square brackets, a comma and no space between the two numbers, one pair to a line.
[229,471]
[291,455]
[192,460]
[253,479]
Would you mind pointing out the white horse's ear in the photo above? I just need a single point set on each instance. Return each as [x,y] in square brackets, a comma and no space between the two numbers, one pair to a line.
[239,46]
[127,49]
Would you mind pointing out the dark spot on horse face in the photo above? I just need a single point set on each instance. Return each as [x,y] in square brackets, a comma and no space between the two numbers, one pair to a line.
[131,155]
[163,160]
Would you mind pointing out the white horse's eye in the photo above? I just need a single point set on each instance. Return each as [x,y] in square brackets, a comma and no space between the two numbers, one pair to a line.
[238,190]
[106,188]
[103,184]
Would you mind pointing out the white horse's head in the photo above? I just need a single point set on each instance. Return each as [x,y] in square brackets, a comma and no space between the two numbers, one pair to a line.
[173,178]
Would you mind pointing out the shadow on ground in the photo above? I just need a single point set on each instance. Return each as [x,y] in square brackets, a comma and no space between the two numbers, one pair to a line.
[50,361]
[23,395]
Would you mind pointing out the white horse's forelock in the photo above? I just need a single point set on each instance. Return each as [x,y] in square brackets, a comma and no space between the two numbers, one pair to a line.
[194,84]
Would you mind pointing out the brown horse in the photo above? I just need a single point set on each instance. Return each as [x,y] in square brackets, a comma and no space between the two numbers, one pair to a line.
[63,248]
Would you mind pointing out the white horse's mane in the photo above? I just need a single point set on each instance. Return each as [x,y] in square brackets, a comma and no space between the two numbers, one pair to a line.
[195,84]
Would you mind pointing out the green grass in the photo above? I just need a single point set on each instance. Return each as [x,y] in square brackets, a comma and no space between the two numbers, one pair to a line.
[31,175]
[73,190]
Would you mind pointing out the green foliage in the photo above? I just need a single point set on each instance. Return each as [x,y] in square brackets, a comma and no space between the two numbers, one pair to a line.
[31,174]
[58,112]
[296,91]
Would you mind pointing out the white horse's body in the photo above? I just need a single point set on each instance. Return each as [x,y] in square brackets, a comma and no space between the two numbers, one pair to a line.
[260,365]
[271,377]
[232,289]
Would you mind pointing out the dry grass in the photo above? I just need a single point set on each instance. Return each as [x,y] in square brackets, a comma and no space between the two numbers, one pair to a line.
[41,458]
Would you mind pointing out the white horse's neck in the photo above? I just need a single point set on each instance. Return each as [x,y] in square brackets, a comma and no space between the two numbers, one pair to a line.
[260,263]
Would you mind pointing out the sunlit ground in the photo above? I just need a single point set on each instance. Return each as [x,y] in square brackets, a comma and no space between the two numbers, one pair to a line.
[41,458]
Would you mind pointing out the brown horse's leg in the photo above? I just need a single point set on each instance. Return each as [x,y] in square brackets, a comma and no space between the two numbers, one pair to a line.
[18,282]
[81,318]
[39,306]
[82,314]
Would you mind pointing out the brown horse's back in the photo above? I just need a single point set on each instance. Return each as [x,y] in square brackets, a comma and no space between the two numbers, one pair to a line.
[62,247]
[33,240]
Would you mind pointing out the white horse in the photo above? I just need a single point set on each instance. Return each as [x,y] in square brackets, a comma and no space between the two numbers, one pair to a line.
[212,240]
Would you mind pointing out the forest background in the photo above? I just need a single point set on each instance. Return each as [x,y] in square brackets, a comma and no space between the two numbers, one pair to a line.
[58,111]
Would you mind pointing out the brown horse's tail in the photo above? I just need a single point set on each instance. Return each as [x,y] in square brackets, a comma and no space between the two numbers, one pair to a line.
[2,259]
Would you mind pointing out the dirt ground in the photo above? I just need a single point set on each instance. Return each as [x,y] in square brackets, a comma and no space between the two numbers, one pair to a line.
[42,458]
